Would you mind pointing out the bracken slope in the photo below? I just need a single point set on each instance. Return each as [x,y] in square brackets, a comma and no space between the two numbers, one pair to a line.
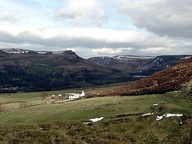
[163,81]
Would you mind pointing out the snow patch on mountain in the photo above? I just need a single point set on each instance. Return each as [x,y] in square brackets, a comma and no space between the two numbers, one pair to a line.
[132,57]
[15,51]
[23,51]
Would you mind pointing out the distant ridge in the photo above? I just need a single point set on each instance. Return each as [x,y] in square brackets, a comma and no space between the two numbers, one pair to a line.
[24,51]
[138,65]
[28,70]
[169,79]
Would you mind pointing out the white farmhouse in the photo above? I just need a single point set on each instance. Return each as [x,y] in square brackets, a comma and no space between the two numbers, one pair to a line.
[75,95]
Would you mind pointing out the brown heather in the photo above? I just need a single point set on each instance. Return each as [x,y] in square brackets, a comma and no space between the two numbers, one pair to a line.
[169,79]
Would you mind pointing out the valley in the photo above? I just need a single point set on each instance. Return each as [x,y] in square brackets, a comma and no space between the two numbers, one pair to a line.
[156,108]
[26,70]
[95,72]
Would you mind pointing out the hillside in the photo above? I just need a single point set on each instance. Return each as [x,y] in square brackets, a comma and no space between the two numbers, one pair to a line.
[169,79]
[33,118]
[138,65]
[125,120]
[25,70]
[126,63]
[160,63]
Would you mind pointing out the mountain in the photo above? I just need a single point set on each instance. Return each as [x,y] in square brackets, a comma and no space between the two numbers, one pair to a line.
[138,65]
[127,62]
[173,78]
[160,63]
[26,70]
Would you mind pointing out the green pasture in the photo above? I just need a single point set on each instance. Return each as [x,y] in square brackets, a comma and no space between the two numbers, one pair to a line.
[10,101]
[84,109]
[123,122]
[79,110]
[11,97]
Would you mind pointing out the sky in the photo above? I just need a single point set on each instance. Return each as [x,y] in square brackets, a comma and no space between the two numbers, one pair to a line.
[94,28]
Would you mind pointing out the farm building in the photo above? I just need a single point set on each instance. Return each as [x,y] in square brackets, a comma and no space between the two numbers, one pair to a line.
[75,95]
[68,96]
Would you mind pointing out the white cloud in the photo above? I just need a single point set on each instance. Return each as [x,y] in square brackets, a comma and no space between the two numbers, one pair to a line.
[84,37]
[82,12]
[154,50]
[72,49]
[110,51]
[5,16]
[163,17]
[94,41]
[50,25]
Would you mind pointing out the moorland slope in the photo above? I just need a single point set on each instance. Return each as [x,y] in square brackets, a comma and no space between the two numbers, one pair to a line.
[169,79]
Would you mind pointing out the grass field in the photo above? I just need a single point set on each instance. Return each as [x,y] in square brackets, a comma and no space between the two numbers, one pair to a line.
[123,121]
[78,110]
[7,97]
[10,101]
